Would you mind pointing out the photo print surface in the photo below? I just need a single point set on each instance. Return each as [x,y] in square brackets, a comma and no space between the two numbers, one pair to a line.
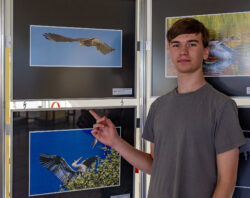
[234,83]
[75,47]
[229,45]
[64,50]
[68,160]
[55,156]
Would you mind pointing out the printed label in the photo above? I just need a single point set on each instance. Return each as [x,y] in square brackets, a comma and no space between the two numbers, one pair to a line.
[122,91]
[248,90]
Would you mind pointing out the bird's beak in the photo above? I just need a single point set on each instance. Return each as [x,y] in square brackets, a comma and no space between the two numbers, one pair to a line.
[94,143]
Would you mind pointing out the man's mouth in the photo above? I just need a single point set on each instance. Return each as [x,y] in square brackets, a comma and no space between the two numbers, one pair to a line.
[183,60]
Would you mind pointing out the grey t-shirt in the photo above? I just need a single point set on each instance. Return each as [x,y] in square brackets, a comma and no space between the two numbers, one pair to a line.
[188,131]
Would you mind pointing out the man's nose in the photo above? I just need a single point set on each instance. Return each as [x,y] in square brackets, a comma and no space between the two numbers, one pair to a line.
[184,50]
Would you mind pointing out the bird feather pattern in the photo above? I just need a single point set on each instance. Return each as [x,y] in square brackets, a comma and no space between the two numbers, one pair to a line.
[98,43]
[58,166]
[88,162]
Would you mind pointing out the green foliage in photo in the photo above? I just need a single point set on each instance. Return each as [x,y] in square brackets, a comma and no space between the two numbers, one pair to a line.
[107,174]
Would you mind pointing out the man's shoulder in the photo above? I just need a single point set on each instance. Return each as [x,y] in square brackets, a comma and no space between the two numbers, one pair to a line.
[217,98]
[161,101]
[217,94]
[164,98]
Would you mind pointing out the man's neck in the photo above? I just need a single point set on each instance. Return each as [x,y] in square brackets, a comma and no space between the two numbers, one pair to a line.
[190,82]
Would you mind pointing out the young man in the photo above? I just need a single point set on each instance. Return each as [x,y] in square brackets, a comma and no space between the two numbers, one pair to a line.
[194,130]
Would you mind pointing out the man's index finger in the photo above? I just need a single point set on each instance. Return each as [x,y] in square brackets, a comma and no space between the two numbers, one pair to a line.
[96,116]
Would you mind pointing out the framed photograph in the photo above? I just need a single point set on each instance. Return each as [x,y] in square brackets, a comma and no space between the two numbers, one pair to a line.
[230,75]
[229,45]
[73,51]
[55,155]
[71,160]
[242,188]
[75,47]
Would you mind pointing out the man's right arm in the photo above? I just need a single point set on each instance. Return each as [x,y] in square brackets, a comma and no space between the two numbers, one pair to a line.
[105,132]
[137,158]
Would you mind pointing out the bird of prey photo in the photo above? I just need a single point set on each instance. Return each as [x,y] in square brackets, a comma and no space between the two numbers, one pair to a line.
[61,168]
[96,42]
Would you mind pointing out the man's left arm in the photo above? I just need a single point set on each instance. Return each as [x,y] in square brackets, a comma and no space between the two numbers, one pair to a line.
[227,165]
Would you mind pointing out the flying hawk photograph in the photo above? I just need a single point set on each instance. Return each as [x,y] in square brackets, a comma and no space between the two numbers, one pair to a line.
[229,45]
[59,159]
[52,46]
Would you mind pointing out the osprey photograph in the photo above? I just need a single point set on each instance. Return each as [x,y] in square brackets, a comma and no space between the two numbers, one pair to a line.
[229,45]
[75,47]
[69,160]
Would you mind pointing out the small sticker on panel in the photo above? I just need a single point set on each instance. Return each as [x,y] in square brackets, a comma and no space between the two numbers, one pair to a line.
[248,90]
[122,91]
[121,196]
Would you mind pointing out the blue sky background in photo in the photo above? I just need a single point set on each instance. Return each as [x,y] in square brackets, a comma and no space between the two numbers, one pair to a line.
[44,52]
[68,144]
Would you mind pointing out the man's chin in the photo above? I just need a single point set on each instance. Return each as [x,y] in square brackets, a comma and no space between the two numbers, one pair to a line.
[186,70]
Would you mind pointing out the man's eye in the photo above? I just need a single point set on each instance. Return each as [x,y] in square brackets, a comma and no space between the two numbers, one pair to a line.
[175,45]
[192,44]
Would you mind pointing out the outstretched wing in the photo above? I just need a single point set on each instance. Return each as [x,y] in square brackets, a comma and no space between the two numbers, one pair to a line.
[88,162]
[58,166]
[98,43]
[225,40]
[58,38]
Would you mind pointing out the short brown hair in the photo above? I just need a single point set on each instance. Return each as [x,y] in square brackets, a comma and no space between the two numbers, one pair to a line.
[188,26]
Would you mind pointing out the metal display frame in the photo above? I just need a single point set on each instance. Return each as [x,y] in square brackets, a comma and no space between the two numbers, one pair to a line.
[163,87]
[96,92]
[235,86]
[65,109]
[143,88]
[116,102]
[2,114]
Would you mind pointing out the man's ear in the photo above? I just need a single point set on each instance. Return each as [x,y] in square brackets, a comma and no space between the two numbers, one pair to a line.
[206,53]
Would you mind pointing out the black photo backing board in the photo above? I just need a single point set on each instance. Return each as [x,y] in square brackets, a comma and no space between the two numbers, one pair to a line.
[66,82]
[242,189]
[232,86]
[26,122]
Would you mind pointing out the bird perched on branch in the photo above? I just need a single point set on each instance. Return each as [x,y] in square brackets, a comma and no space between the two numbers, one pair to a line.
[62,170]
[98,43]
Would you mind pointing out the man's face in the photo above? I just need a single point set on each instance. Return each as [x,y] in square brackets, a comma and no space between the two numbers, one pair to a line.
[187,52]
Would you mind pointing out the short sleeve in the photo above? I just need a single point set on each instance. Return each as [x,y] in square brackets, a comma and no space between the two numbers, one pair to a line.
[228,133]
[148,132]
